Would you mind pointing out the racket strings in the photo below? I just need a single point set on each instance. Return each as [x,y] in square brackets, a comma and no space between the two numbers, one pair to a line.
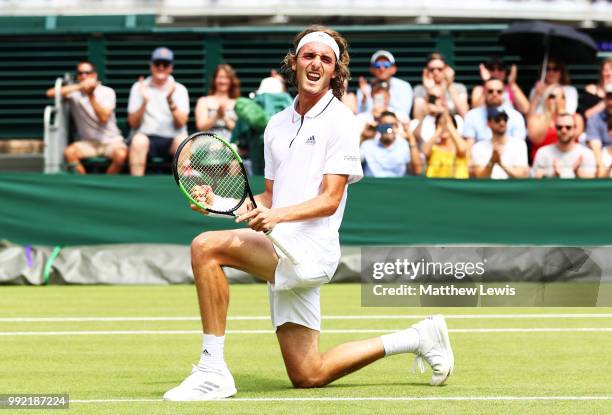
[210,172]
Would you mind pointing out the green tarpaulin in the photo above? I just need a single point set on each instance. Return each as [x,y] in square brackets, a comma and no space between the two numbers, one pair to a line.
[82,210]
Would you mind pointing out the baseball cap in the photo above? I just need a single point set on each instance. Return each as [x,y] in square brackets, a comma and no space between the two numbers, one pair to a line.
[608,89]
[162,54]
[496,112]
[382,54]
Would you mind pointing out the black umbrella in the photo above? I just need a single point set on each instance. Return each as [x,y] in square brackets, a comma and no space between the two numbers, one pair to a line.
[536,41]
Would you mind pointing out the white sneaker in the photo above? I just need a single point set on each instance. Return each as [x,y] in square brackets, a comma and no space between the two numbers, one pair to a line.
[204,384]
[435,349]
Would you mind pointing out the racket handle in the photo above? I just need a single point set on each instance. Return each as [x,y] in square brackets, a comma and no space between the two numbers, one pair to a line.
[282,248]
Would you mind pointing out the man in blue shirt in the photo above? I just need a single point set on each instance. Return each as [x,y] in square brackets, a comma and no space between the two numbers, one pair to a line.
[388,154]
[476,128]
[383,67]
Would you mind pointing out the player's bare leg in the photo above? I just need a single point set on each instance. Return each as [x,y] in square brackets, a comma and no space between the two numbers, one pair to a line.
[242,249]
[308,368]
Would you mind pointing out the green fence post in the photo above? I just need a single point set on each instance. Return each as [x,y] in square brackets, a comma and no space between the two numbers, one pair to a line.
[445,44]
[212,46]
[96,49]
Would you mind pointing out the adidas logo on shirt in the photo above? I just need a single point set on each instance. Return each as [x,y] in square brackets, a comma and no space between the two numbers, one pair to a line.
[311,140]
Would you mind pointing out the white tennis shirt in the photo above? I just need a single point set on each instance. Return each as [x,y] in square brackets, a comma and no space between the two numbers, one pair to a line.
[300,150]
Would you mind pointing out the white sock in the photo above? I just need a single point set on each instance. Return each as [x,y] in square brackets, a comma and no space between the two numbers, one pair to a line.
[212,351]
[405,341]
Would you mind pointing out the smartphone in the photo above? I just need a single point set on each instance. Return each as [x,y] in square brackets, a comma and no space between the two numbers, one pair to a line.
[432,99]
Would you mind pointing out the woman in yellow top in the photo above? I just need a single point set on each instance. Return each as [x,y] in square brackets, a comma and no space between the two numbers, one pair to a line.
[446,152]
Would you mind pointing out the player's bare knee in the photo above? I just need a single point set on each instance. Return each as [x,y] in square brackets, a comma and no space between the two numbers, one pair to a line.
[307,380]
[204,247]
[307,377]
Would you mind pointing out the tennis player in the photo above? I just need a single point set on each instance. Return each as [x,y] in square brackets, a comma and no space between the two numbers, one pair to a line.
[311,155]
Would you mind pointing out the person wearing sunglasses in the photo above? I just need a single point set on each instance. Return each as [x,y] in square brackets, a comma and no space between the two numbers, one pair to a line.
[541,127]
[158,109]
[556,74]
[566,159]
[383,68]
[502,157]
[476,128]
[439,81]
[513,94]
[92,106]
[388,154]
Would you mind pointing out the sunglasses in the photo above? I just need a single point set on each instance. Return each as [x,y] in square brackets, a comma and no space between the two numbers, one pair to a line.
[564,127]
[553,96]
[79,73]
[435,68]
[553,68]
[163,64]
[382,65]
[495,91]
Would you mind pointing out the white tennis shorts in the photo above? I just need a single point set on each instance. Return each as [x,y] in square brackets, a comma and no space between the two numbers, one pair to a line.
[295,294]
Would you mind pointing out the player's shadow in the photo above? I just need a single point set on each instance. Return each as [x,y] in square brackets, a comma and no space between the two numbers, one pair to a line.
[249,382]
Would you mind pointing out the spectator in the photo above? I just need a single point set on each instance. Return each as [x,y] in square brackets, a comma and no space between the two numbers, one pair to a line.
[556,74]
[566,158]
[476,127]
[541,126]
[599,126]
[438,80]
[158,108]
[446,153]
[425,127]
[215,113]
[381,99]
[502,156]
[383,67]
[513,94]
[349,98]
[388,154]
[593,98]
[92,106]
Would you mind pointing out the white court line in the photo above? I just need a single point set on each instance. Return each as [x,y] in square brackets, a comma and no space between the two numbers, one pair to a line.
[350,317]
[332,331]
[368,398]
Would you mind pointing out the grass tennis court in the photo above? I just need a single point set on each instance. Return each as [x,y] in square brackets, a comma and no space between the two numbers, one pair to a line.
[117,349]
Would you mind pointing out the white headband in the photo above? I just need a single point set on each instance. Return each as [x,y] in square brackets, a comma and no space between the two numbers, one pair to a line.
[319,37]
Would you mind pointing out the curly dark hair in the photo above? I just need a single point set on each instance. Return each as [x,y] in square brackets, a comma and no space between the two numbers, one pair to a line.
[342,70]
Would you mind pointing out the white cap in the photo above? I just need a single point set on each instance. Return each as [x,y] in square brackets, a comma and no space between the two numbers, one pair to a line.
[270,85]
[382,54]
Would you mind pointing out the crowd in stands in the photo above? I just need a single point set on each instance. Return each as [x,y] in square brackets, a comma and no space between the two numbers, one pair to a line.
[430,130]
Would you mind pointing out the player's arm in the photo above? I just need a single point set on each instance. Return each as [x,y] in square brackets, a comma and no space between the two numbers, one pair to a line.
[325,204]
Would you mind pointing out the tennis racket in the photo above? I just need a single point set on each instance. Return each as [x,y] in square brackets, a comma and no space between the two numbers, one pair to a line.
[211,175]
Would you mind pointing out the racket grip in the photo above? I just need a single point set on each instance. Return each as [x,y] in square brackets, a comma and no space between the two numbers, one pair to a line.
[281,247]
